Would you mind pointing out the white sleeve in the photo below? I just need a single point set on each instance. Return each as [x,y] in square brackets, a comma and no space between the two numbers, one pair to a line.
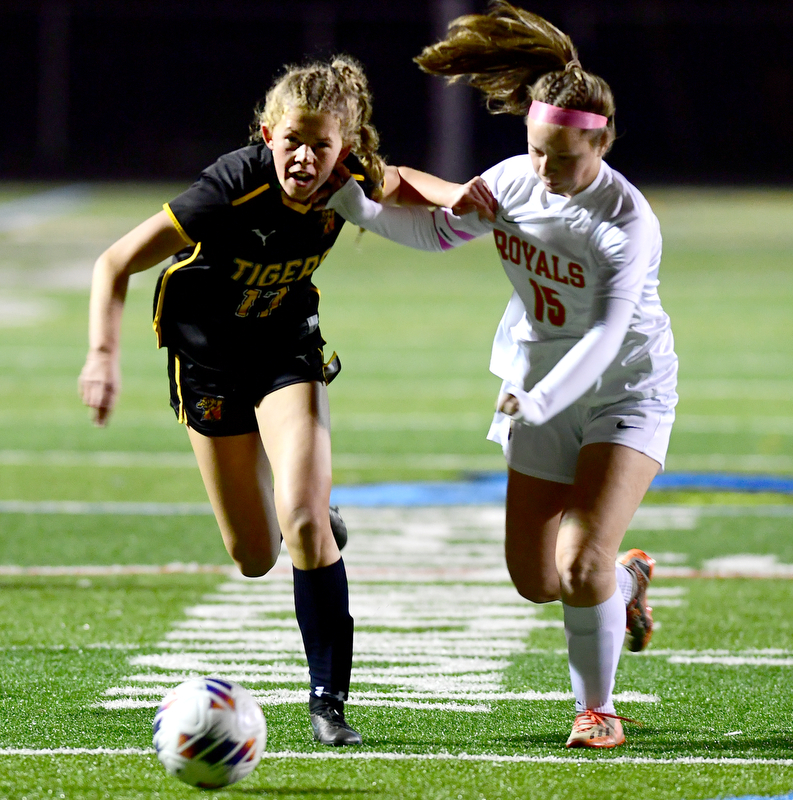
[578,370]
[414,226]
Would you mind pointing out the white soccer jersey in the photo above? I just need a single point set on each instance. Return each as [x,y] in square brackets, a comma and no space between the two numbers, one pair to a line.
[585,275]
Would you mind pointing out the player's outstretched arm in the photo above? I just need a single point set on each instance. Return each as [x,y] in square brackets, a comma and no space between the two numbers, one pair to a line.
[408,186]
[416,226]
[150,243]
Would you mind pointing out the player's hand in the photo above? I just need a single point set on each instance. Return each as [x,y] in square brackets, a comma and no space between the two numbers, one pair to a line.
[337,179]
[475,196]
[508,404]
[519,405]
[99,384]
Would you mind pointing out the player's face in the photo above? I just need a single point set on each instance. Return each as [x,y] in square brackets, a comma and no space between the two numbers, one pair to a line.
[306,146]
[565,159]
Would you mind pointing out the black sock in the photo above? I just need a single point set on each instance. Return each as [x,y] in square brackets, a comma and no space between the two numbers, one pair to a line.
[323,614]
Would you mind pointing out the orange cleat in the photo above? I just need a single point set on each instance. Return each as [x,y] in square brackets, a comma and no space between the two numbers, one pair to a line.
[593,729]
[639,627]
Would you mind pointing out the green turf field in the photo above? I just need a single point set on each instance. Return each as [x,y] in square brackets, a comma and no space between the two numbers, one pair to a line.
[459,688]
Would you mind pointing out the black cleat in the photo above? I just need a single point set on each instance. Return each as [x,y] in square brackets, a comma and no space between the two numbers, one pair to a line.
[338,527]
[329,724]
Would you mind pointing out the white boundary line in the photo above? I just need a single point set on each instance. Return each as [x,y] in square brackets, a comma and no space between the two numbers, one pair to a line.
[647,515]
[68,459]
[99,571]
[373,756]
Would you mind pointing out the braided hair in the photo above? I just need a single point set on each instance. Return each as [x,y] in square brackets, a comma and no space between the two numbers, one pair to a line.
[338,87]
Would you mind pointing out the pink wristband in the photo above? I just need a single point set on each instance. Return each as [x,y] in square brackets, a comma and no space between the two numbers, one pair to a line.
[570,117]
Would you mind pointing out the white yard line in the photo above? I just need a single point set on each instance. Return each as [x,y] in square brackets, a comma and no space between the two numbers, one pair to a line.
[97,458]
[416,556]
[100,571]
[437,622]
[493,462]
[347,755]
[176,460]
[648,517]
[80,508]
[435,631]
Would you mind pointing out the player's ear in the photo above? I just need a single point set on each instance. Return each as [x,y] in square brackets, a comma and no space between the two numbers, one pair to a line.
[268,139]
[345,151]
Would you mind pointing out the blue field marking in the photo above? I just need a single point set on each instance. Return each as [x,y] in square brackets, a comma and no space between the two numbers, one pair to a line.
[723,482]
[484,489]
[788,796]
[488,489]
[491,488]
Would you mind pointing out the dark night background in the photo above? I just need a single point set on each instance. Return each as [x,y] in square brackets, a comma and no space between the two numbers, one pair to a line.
[138,90]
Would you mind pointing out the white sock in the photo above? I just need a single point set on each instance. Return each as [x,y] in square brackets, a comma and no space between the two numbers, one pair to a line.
[625,582]
[594,642]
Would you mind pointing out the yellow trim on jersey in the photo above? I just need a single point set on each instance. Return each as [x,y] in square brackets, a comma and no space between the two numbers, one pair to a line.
[302,208]
[359,178]
[161,295]
[182,418]
[178,225]
[244,199]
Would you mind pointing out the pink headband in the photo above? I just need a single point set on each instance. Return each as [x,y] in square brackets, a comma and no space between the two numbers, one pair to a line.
[570,117]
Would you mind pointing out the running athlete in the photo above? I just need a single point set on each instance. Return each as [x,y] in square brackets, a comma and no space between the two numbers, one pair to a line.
[238,312]
[584,349]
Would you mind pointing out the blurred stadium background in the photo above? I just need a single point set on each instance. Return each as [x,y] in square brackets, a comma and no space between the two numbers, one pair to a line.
[156,89]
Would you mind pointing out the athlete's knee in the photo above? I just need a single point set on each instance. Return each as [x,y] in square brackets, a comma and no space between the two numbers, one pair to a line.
[582,573]
[254,568]
[536,588]
[254,561]
[539,593]
[303,529]
[540,596]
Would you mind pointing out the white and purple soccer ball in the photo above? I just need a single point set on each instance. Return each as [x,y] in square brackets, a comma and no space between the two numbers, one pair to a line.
[209,732]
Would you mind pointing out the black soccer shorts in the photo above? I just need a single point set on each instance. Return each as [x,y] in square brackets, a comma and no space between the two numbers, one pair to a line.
[222,402]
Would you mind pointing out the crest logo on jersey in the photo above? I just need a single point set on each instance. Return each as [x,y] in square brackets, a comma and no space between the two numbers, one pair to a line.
[328,221]
[212,408]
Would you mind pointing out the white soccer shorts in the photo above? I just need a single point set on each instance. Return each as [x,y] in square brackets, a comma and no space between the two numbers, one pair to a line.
[550,451]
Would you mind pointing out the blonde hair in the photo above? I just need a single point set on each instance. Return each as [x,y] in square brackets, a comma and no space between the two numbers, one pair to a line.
[337,87]
[514,57]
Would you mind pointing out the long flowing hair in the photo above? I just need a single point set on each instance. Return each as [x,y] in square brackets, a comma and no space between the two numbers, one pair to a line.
[513,57]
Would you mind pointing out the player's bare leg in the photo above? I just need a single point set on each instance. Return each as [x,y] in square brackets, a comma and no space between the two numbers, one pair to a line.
[534,511]
[236,474]
[610,482]
[295,427]
[294,423]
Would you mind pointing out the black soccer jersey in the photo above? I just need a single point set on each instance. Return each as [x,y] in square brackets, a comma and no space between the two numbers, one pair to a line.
[242,287]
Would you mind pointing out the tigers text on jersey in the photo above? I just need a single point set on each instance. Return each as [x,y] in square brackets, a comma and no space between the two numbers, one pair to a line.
[243,285]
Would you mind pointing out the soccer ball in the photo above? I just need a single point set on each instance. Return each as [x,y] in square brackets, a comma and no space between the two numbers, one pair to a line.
[209,732]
